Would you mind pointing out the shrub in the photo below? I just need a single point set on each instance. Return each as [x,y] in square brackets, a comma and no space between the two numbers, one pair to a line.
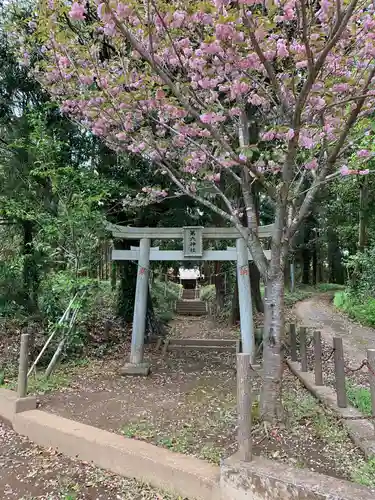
[361,272]
[328,287]
[208,293]
[11,293]
[358,308]
[59,288]
[164,295]
[56,293]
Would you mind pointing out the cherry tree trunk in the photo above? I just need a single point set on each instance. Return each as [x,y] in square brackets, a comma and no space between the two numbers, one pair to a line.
[271,408]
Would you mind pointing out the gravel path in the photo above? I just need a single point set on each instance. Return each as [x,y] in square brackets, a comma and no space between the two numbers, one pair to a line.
[319,313]
[28,472]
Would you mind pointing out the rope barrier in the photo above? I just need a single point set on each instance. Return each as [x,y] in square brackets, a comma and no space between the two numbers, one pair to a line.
[364,364]
[325,360]
[354,370]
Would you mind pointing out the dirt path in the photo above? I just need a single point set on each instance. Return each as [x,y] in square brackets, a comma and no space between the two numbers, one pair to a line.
[28,472]
[202,327]
[318,312]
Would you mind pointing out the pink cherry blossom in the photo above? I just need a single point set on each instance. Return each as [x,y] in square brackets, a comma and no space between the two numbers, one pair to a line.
[239,88]
[109,28]
[77,12]
[178,18]
[290,134]
[344,170]
[268,136]
[224,32]
[212,118]
[301,64]
[340,87]
[306,141]
[64,61]
[87,79]
[256,100]
[363,153]
[122,136]
[364,172]
[312,164]
[282,50]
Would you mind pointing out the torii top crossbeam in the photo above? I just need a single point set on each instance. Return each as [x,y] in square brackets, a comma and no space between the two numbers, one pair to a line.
[171,233]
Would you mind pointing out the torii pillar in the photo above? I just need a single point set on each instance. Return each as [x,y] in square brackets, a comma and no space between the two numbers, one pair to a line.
[136,365]
[244,298]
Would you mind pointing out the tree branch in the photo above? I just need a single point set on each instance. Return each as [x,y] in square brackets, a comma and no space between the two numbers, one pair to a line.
[266,64]
[167,80]
[332,157]
[338,29]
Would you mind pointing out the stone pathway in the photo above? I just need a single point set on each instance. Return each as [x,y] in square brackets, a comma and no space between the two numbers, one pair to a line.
[318,312]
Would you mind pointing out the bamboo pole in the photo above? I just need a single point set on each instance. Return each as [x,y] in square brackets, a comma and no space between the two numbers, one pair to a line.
[51,336]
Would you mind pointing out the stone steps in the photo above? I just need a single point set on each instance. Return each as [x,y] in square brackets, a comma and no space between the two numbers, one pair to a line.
[190,294]
[191,308]
[196,344]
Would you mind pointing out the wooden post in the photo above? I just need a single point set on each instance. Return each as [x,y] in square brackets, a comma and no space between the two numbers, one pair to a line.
[293,342]
[340,372]
[318,358]
[244,296]
[371,371]
[140,303]
[23,365]
[303,348]
[244,406]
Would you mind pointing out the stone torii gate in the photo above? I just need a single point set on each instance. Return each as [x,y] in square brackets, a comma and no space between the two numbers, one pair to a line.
[192,250]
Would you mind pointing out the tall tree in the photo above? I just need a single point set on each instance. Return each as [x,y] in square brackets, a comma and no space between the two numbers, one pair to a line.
[172,83]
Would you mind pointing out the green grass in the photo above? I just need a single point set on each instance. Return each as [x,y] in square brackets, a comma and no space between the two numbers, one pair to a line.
[359,397]
[41,385]
[359,309]
[365,474]
[304,292]
[61,378]
[328,287]
[307,409]
[299,294]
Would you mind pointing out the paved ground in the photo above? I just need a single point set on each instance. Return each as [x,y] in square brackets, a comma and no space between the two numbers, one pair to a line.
[318,312]
[28,472]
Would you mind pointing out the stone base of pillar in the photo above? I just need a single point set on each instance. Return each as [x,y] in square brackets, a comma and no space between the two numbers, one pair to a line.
[141,369]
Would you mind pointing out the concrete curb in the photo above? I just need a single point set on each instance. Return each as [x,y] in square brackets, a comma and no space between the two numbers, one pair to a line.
[361,430]
[264,479]
[186,476]
[174,472]
[11,404]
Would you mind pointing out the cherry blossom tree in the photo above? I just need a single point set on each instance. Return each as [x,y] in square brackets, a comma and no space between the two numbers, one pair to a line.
[181,82]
